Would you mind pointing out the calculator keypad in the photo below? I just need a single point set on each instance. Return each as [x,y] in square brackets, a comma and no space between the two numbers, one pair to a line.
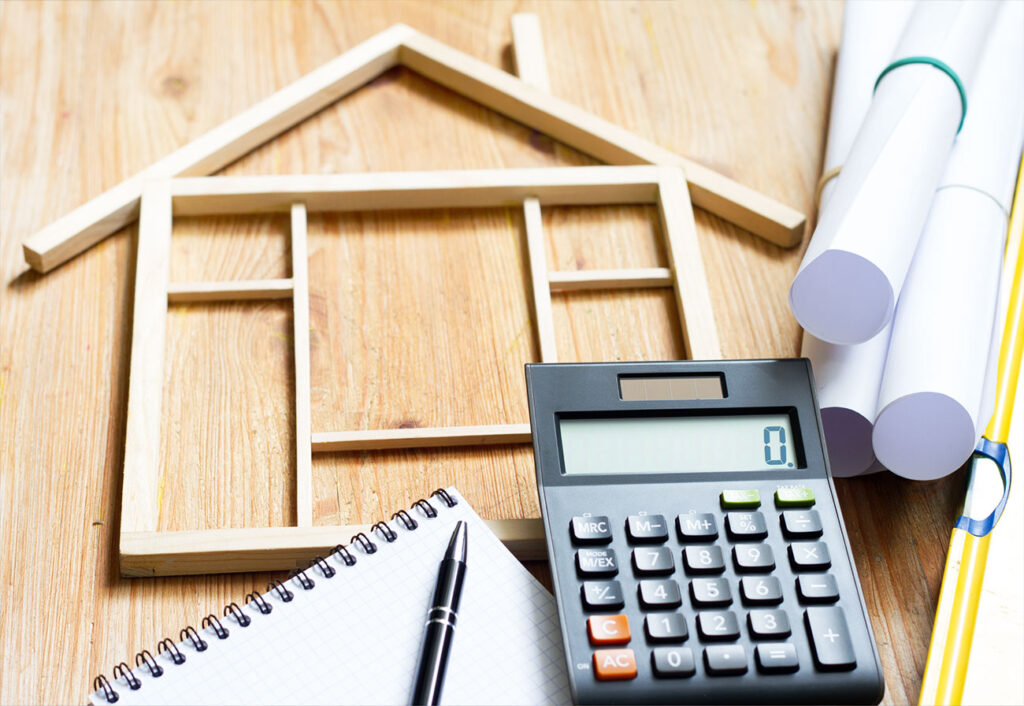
[727,585]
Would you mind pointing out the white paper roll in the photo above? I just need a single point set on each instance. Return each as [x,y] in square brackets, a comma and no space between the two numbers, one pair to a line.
[936,398]
[851,275]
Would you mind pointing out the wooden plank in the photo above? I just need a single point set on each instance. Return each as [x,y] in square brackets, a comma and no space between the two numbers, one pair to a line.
[583,280]
[693,299]
[140,485]
[588,133]
[421,437]
[231,290]
[300,317]
[275,548]
[119,206]
[528,50]
[543,317]
[473,188]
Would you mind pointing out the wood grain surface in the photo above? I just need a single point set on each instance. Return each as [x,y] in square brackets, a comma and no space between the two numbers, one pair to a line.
[417,318]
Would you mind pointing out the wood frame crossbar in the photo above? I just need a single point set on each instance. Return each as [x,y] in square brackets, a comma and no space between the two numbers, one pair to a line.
[525,100]
[144,550]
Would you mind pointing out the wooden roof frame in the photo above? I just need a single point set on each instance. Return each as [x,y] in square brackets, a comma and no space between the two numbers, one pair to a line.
[401,45]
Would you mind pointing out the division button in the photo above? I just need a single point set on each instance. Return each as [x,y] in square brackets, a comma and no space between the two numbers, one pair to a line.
[666,627]
[806,556]
[761,590]
[710,592]
[656,595]
[746,525]
[703,560]
[653,561]
[718,625]
[794,497]
[697,527]
[830,638]
[615,665]
[723,660]
[597,562]
[817,588]
[647,529]
[673,662]
[590,530]
[768,624]
[753,557]
[801,523]
[608,629]
[739,499]
[602,595]
[779,657]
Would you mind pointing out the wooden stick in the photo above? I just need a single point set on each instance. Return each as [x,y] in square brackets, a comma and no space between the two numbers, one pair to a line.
[528,50]
[140,490]
[232,290]
[300,318]
[275,548]
[693,300]
[539,281]
[117,207]
[582,280]
[421,437]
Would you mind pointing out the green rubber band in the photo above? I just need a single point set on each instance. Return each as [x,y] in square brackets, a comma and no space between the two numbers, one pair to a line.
[941,66]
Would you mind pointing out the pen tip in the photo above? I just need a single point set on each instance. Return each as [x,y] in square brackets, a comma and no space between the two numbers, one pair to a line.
[457,544]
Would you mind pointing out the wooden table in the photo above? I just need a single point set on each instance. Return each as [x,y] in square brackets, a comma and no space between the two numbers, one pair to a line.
[91,93]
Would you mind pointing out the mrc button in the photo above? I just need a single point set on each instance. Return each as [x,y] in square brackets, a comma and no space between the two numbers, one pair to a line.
[594,529]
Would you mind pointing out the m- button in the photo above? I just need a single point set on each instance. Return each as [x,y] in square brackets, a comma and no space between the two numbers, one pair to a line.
[590,530]
[615,665]
[608,629]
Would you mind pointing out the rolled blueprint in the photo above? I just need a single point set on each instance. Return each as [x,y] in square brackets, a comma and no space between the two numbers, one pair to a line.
[848,377]
[937,390]
[847,286]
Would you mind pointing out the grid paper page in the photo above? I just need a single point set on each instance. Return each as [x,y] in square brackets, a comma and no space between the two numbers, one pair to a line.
[355,638]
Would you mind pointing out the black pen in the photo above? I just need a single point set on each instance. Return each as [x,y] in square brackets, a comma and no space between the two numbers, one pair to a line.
[440,627]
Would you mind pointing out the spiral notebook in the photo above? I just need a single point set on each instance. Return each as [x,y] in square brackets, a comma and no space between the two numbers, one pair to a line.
[348,629]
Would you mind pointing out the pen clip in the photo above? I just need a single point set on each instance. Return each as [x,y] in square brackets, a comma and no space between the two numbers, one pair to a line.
[981,477]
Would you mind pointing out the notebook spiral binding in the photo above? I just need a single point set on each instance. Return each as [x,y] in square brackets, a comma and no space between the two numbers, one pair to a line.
[318,566]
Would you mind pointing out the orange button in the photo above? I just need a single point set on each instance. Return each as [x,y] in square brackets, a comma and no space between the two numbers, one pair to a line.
[608,629]
[615,665]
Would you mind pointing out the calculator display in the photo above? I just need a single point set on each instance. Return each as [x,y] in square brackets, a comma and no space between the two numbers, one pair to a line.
[677,444]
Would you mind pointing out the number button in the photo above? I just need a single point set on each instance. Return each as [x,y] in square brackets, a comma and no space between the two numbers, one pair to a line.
[710,592]
[739,498]
[602,595]
[767,624]
[596,562]
[830,638]
[673,662]
[794,497]
[703,560]
[817,588]
[608,629]
[655,595]
[746,525]
[615,665]
[590,530]
[697,527]
[647,529]
[723,660]
[656,561]
[718,625]
[778,658]
[761,590]
[668,627]
[801,523]
[806,556]
[753,557]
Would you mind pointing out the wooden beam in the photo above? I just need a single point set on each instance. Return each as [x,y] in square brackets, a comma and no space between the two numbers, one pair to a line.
[274,548]
[300,318]
[421,437]
[582,280]
[140,488]
[232,290]
[535,247]
[528,50]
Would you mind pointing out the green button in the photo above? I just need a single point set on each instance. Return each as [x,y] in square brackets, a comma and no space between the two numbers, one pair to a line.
[794,497]
[740,498]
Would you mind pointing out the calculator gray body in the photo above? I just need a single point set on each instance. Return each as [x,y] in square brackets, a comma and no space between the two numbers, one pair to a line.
[592,390]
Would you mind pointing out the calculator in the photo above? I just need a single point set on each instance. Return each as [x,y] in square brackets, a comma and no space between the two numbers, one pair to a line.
[697,549]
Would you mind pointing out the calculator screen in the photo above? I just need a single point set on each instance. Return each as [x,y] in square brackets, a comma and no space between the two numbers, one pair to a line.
[679,444]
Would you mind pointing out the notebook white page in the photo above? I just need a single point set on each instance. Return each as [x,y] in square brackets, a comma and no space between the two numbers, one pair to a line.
[355,638]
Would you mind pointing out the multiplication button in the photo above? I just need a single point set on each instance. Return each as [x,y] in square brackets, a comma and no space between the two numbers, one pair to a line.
[590,529]
[697,527]
[807,556]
